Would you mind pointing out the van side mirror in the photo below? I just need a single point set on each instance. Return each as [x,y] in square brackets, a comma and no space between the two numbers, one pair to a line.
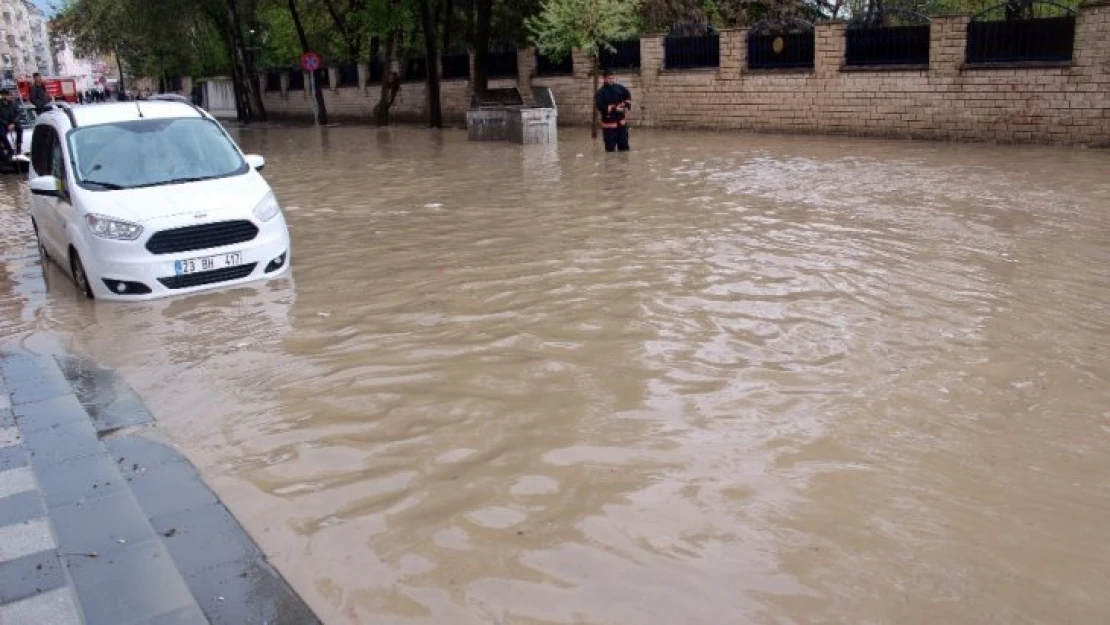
[256,161]
[46,186]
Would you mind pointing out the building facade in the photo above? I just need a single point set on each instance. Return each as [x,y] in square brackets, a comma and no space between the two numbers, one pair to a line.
[40,39]
[89,74]
[24,42]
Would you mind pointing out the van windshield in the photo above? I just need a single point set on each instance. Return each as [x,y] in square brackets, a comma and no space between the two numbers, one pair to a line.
[152,152]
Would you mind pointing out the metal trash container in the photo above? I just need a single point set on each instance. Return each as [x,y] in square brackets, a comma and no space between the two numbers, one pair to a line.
[526,126]
[501,115]
[487,124]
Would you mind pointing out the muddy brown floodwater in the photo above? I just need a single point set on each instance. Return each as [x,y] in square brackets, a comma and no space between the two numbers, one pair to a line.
[721,379]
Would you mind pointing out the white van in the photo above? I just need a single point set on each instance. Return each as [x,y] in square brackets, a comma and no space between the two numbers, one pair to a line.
[139,200]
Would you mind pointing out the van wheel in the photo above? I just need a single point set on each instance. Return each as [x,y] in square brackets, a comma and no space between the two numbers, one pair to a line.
[38,239]
[80,278]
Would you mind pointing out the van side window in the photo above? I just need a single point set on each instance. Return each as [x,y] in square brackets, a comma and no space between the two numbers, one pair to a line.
[57,160]
[58,167]
[42,149]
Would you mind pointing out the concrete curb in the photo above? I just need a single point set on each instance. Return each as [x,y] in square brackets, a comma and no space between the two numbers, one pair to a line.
[103,522]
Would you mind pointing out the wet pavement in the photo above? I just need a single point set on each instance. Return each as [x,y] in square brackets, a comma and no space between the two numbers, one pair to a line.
[724,378]
[103,522]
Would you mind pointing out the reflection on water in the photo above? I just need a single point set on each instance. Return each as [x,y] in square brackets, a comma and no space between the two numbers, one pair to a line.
[719,379]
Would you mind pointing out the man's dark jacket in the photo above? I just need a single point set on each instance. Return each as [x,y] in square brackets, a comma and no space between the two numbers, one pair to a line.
[39,97]
[613,94]
[9,114]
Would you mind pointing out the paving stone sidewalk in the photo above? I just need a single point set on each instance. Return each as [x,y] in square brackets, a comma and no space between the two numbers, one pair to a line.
[103,523]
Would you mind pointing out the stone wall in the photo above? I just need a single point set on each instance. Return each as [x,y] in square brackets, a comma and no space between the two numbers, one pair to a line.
[1053,103]
[1046,103]
[357,103]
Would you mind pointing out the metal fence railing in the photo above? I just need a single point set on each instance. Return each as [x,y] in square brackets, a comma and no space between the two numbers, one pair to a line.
[545,66]
[455,66]
[887,45]
[624,57]
[684,52]
[501,64]
[1024,37]
[415,69]
[781,44]
[376,71]
[348,75]
[296,80]
[1015,31]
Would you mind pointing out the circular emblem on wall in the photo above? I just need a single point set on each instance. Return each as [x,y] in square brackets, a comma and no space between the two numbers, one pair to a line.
[777,45]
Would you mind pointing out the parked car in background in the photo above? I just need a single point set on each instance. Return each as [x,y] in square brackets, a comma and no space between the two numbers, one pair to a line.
[20,162]
[141,200]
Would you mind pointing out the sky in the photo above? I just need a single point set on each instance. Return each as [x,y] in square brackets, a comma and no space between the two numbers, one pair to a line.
[45,6]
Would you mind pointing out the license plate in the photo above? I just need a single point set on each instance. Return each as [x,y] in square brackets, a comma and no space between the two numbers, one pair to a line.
[207,263]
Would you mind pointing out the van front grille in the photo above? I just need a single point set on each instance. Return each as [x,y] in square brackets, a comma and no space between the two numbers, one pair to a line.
[201,237]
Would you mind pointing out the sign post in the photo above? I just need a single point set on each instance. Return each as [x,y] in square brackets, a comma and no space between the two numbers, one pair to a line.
[310,62]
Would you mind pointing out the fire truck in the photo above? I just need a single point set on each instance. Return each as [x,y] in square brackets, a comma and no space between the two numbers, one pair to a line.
[56,88]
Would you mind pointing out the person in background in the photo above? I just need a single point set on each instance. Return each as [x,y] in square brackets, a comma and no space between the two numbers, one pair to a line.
[613,101]
[39,97]
[9,118]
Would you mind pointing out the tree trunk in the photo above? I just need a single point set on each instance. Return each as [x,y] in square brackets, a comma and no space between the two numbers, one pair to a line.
[593,120]
[435,112]
[120,89]
[242,99]
[448,9]
[385,101]
[255,86]
[484,14]
[253,82]
[321,109]
[247,77]
[241,112]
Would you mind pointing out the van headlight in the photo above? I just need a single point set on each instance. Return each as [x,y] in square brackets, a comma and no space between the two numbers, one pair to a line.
[108,228]
[268,208]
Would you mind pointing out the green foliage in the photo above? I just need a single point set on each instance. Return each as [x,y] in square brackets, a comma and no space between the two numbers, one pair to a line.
[280,48]
[590,25]
[194,37]
[660,15]
[135,31]
[737,13]
[509,20]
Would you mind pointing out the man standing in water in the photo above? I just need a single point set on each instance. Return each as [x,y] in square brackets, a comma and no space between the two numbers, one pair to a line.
[613,101]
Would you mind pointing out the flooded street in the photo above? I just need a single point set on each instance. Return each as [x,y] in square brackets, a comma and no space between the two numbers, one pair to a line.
[723,378]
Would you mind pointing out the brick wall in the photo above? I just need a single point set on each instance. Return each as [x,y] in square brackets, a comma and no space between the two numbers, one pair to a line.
[1062,103]
[353,103]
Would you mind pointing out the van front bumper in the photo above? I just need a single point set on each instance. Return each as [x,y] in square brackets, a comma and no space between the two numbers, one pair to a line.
[126,271]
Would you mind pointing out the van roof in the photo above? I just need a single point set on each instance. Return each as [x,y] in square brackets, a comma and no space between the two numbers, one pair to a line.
[112,112]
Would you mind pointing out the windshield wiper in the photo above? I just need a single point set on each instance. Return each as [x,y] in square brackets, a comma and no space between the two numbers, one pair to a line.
[171,181]
[105,185]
